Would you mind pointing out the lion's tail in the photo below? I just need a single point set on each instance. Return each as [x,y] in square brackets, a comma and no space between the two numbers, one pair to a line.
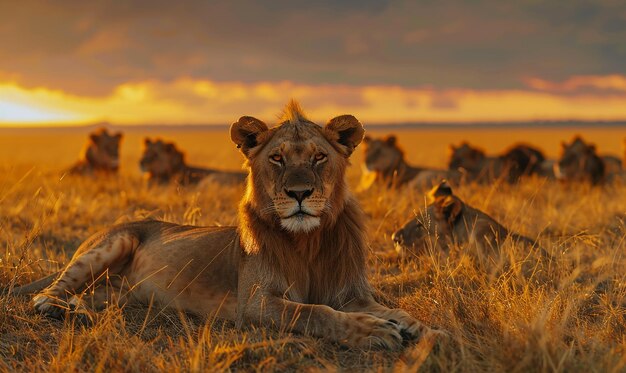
[34,286]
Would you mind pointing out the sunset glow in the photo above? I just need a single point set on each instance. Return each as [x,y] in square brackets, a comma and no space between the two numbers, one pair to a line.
[187,101]
[386,62]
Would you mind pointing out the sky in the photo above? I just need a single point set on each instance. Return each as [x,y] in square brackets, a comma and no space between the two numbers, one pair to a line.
[209,62]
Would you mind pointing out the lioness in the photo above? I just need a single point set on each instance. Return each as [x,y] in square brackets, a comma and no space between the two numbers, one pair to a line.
[163,163]
[514,163]
[100,155]
[385,159]
[297,260]
[448,220]
[580,162]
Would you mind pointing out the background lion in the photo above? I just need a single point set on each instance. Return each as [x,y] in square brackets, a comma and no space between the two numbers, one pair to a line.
[386,161]
[296,261]
[100,155]
[580,162]
[163,163]
[517,161]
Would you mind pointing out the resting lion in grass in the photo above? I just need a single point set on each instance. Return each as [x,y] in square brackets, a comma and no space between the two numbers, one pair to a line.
[163,163]
[297,260]
[385,163]
[580,162]
[448,220]
[517,161]
[100,156]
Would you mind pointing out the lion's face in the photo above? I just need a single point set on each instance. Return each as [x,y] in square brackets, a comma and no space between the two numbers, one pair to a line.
[297,168]
[161,158]
[579,162]
[103,150]
[414,235]
[428,230]
[381,155]
[465,157]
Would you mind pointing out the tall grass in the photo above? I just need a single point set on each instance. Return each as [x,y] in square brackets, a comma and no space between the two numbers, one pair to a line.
[509,314]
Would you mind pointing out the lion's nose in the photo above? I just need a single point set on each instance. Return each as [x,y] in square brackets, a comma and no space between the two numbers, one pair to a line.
[397,237]
[299,195]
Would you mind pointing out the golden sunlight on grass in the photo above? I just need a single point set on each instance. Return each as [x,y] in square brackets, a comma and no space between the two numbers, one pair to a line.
[512,315]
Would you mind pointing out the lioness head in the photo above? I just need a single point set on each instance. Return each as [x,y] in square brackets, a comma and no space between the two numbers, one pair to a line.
[421,232]
[465,157]
[297,167]
[161,159]
[579,162]
[381,155]
[103,150]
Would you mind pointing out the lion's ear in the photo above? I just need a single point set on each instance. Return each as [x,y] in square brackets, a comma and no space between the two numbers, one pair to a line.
[345,130]
[448,209]
[391,140]
[245,132]
[118,136]
[440,191]
[147,141]
[94,137]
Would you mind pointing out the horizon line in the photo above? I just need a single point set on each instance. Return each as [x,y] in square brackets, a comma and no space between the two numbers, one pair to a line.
[381,125]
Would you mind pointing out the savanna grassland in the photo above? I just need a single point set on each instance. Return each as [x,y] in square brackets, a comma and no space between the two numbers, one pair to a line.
[510,314]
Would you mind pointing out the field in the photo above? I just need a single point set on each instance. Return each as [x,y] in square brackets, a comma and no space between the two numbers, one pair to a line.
[565,315]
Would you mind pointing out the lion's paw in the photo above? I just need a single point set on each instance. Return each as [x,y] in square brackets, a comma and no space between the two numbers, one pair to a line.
[370,332]
[57,309]
[413,330]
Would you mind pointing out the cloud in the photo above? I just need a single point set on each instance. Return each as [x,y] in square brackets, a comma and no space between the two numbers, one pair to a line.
[92,48]
[189,101]
[586,84]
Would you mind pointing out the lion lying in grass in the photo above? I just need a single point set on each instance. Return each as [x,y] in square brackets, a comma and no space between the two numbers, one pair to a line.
[164,163]
[101,155]
[518,161]
[297,260]
[448,220]
[385,160]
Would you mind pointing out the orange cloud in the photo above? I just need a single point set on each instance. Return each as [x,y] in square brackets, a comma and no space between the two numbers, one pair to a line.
[192,101]
[577,83]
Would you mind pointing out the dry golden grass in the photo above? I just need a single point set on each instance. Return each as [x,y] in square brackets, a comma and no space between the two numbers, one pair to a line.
[568,315]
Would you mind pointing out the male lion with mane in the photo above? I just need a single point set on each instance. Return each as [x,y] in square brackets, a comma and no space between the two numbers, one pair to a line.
[297,260]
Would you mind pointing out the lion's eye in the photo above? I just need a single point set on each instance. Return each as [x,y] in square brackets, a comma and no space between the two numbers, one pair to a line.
[276,158]
[320,157]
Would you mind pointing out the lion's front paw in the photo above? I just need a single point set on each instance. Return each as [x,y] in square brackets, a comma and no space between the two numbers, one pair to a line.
[366,331]
[56,308]
[411,329]
[49,305]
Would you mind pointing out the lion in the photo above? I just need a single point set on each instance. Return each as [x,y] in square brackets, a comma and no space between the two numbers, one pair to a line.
[164,163]
[296,261]
[100,155]
[517,161]
[580,162]
[385,160]
[448,220]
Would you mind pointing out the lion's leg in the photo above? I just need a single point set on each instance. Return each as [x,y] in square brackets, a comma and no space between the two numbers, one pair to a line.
[88,267]
[410,328]
[355,329]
